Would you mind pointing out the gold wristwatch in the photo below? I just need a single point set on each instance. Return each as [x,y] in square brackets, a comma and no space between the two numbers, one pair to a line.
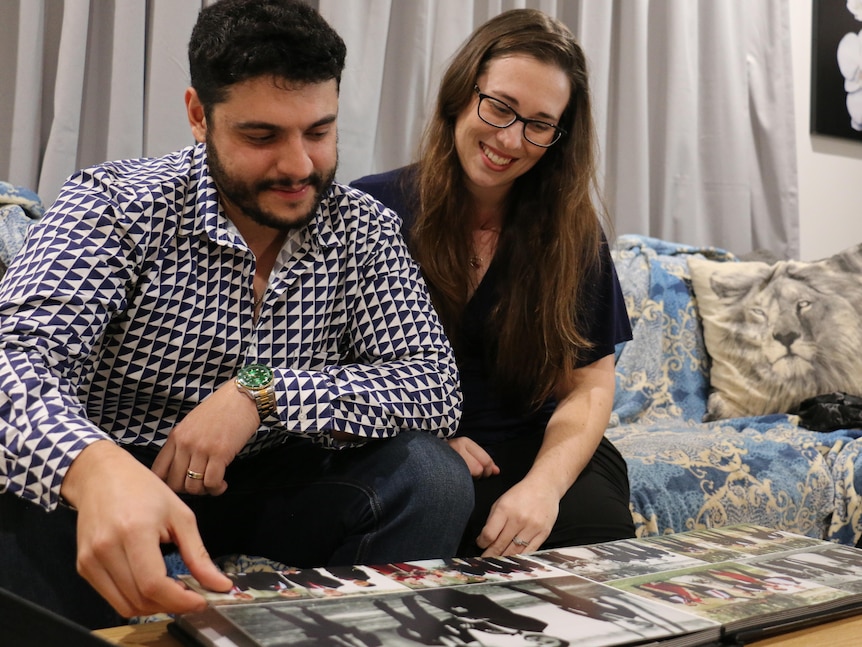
[257,382]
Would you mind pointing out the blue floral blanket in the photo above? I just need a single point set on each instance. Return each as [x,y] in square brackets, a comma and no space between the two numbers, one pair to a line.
[687,474]
[19,208]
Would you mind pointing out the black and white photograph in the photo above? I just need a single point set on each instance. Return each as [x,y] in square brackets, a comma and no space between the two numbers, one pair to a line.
[752,540]
[836,566]
[836,69]
[616,560]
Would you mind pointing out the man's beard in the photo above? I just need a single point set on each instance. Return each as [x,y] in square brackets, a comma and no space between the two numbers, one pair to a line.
[245,196]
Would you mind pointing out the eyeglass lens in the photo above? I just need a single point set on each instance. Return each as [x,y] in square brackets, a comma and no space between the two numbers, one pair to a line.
[496,113]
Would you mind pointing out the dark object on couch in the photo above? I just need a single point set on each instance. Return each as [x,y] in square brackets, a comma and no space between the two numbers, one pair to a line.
[831,411]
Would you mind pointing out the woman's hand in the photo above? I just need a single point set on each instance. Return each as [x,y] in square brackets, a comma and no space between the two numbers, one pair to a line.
[519,521]
[479,462]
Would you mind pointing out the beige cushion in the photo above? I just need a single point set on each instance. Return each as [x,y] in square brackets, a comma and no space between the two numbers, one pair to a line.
[779,333]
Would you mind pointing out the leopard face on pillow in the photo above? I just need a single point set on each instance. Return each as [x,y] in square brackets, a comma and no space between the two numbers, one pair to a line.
[777,334]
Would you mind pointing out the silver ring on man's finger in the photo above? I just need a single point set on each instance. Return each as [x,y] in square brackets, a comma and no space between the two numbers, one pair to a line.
[519,542]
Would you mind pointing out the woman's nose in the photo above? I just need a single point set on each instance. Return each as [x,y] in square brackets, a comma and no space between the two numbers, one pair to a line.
[510,136]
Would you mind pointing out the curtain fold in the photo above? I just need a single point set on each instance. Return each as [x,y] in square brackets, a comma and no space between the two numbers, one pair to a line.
[61,147]
[774,174]
[166,77]
[23,108]
[693,101]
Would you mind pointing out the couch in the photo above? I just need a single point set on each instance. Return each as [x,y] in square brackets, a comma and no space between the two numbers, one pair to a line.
[686,473]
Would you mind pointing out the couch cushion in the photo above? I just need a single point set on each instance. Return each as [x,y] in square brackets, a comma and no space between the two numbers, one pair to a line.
[777,334]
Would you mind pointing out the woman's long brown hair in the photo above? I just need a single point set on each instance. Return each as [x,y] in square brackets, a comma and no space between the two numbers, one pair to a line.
[551,233]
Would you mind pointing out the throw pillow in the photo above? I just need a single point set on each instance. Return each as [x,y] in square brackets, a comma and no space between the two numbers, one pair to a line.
[779,333]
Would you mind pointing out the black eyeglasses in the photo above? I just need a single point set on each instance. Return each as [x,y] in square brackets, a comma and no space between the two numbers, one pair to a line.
[501,115]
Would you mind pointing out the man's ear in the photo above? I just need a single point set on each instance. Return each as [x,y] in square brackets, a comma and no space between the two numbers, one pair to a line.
[195,113]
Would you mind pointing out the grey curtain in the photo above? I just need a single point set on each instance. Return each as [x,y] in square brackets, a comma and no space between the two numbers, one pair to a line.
[693,98]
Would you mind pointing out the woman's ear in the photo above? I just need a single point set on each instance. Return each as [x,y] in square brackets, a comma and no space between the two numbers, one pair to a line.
[196,115]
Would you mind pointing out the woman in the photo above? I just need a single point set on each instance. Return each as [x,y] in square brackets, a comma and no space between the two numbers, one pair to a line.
[499,214]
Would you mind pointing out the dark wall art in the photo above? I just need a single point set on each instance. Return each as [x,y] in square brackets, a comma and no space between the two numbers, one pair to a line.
[836,69]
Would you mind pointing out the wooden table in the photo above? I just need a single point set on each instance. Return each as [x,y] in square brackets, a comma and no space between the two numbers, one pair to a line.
[840,633]
[153,634]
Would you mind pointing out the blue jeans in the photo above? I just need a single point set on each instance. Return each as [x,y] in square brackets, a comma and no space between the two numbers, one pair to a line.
[399,499]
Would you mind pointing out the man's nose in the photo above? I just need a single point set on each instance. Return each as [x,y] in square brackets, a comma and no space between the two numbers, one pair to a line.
[293,159]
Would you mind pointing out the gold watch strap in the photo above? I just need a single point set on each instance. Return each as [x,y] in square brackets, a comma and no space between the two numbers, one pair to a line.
[265,399]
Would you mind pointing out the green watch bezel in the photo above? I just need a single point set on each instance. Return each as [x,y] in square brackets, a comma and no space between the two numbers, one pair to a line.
[255,376]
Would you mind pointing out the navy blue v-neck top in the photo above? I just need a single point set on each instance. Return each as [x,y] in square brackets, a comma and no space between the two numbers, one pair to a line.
[487,417]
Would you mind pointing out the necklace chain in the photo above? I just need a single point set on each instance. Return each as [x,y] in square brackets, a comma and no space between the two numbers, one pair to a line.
[487,238]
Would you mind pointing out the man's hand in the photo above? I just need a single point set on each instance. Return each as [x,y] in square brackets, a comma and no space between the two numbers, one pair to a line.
[124,513]
[206,441]
[479,462]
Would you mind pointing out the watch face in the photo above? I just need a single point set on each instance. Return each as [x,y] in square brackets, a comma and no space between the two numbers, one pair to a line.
[254,376]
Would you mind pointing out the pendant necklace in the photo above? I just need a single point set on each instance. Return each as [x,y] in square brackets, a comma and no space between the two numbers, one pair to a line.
[487,239]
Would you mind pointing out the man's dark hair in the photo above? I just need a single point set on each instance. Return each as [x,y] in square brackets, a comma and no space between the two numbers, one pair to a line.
[237,40]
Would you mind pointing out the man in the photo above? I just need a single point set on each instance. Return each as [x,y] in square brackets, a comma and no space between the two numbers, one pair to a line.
[185,341]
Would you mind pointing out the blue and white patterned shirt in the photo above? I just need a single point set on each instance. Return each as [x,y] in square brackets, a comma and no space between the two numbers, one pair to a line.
[132,300]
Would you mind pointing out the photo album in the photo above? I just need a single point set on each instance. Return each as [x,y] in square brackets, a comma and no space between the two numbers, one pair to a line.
[702,587]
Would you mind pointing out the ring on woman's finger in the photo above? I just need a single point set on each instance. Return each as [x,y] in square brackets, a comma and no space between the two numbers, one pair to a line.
[519,542]
[195,476]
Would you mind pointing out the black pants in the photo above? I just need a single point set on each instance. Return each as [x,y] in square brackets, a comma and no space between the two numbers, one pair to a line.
[594,510]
